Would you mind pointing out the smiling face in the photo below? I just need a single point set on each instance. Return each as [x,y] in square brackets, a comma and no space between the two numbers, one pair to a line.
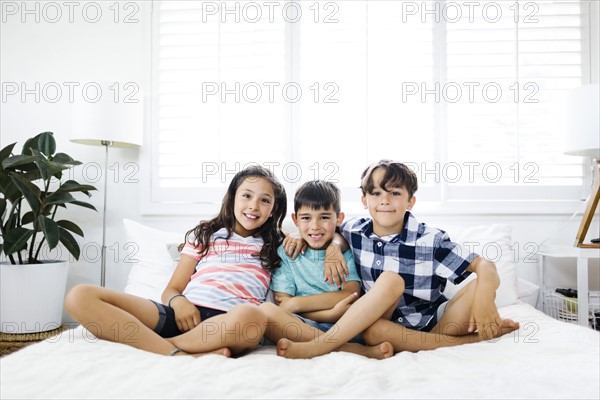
[387,206]
[254,200]
[317,226]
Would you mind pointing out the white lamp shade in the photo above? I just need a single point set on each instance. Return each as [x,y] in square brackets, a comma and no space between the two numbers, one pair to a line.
[583,119]
[105,120]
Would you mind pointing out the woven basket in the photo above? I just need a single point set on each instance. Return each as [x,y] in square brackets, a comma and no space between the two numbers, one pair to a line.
[12,342]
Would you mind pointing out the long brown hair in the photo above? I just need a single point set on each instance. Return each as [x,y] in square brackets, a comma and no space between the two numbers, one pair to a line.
[270,231]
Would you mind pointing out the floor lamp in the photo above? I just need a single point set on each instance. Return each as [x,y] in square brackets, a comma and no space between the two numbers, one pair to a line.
[110,124]
[583,115]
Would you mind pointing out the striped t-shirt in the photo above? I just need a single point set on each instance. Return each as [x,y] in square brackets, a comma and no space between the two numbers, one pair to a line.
[229,274]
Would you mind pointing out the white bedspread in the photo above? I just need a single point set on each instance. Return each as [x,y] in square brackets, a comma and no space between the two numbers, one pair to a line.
[545,359]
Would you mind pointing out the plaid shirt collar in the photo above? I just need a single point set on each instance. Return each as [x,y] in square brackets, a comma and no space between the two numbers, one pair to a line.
[408,236]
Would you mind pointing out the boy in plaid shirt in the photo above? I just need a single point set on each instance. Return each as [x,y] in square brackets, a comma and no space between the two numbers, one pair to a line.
[404,266]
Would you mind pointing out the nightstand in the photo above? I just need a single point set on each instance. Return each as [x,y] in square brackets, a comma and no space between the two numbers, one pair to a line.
[583,255]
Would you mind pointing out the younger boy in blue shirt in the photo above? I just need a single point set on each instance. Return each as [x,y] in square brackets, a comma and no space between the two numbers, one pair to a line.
[404,266]
[308,304]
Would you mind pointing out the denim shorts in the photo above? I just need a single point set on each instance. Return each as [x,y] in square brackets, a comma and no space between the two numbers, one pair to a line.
[167,327]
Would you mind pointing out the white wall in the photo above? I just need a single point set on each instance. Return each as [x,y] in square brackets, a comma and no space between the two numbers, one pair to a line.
[75,49]
[81,51]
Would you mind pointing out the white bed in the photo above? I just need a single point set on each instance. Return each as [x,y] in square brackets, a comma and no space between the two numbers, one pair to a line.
[546,359]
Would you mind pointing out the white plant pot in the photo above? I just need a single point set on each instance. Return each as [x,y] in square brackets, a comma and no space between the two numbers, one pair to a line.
[32,296]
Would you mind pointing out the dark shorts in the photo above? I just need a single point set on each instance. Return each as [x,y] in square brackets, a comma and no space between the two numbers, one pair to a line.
[396,317]
[167,327]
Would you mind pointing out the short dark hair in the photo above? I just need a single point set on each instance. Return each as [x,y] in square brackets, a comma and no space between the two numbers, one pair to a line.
[317,195]
[396,175]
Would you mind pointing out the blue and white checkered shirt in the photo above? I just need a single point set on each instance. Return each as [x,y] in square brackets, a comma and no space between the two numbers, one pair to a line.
[425,258]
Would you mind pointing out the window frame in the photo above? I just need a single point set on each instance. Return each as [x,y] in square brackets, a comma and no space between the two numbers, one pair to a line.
[444,204]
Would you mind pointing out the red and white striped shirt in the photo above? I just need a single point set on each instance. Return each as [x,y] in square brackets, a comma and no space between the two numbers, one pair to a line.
[229,274]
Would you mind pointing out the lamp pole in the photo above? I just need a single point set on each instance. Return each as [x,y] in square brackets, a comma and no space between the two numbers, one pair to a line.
[106,145]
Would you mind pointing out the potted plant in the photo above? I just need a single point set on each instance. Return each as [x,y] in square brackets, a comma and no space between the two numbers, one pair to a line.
[33,194]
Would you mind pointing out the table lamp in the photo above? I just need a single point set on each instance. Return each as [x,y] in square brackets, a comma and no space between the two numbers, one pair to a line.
[107,123]
[583,139]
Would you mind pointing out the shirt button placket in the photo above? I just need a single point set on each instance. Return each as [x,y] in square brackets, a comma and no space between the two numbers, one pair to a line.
[379,259]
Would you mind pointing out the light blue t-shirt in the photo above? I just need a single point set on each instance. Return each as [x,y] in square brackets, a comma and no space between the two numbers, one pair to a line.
[304,276]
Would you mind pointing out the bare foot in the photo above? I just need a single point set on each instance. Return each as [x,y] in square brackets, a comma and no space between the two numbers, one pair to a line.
[288,349]
[221,352]
[381,351]
[508,326]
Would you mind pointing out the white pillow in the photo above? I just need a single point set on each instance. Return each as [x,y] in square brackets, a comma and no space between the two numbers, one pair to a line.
[492,242]
[153,265]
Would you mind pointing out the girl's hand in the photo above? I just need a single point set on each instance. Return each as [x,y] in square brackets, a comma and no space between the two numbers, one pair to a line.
[336,269]
[294,245]
[187,315]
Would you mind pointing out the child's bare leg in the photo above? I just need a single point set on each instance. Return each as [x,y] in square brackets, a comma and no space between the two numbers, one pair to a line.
[364,312]
[455,321]
[404,339]
[240,330]
[282,324]
[223,351]
[118,317]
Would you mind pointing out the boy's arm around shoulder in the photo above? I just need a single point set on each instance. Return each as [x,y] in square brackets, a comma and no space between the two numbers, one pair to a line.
[336,266]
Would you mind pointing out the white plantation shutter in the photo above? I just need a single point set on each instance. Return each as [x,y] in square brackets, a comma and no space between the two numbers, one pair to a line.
[513,138]
[214,115]
[331,128]
[357,64]
[401,55]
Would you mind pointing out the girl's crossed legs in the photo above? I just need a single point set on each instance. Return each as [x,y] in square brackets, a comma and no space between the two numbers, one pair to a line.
[128,319]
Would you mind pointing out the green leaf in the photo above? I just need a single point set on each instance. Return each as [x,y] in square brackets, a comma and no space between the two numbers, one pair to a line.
[16,239]
[83,204]
[65,159]
[28,218]
[43,168]
[2,208]
[51,231]
[55,168]
[31,143]
[59,198]
[6,152]
[46,168]
[47,144]
[30,191]
[63,223]
[25,163]
[70,243]
[10,223]
[73,186]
